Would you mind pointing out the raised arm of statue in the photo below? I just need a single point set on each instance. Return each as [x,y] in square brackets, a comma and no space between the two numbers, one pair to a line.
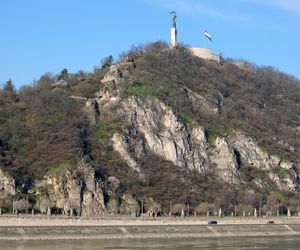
[173,13]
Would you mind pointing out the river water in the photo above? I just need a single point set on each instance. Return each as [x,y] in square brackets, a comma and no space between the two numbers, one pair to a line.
[274,243]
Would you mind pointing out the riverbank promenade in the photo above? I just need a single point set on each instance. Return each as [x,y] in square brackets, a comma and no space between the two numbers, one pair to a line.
[52,227]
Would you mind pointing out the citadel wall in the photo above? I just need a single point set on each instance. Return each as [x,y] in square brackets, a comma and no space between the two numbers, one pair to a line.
[205,53]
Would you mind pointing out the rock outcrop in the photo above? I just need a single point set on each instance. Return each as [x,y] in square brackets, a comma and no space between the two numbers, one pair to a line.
[163,133]
[129,206]
[77,191]
[226,162]
[199,102]
[7,185]
[92,109]
[286,181]
[120,144]
[251,154]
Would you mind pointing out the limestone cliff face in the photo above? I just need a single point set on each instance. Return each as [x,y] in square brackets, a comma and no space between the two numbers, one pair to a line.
[121,146]
[7,185]
[250,153]
[225,159]
[162,132]
[77,190]
[129,206]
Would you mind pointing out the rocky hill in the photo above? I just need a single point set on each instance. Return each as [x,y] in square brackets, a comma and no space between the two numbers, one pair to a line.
[160,130]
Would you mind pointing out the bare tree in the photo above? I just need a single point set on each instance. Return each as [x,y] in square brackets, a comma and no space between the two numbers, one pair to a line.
[44,205]
[21,205]
[204,207]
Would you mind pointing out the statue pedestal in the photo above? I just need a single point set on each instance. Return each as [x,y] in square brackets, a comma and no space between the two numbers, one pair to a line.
[173,37]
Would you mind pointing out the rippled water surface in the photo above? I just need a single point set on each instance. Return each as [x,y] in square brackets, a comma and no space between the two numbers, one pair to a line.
[184,243]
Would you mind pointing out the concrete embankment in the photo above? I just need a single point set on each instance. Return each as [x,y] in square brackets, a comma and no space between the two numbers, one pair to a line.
[26,220]
[162,231]
[54,228]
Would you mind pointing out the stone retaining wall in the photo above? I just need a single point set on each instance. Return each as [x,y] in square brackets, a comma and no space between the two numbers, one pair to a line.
[205,53]
[36,220]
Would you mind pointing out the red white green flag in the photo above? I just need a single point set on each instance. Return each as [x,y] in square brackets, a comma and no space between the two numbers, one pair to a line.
[208,36]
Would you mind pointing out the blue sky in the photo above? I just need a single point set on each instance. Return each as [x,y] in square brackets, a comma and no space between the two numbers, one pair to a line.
[40,36]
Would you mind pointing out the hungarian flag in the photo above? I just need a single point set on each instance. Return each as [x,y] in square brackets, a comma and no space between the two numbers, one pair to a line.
[208,35]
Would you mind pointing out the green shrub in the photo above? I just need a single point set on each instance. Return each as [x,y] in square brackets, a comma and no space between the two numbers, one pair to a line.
[106,128]
[280,171]
[102,130]
[278,195]
[188,120]
[144,89]
[211,136]
[225,131]
[215,131]
[99,74]
[57,167]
